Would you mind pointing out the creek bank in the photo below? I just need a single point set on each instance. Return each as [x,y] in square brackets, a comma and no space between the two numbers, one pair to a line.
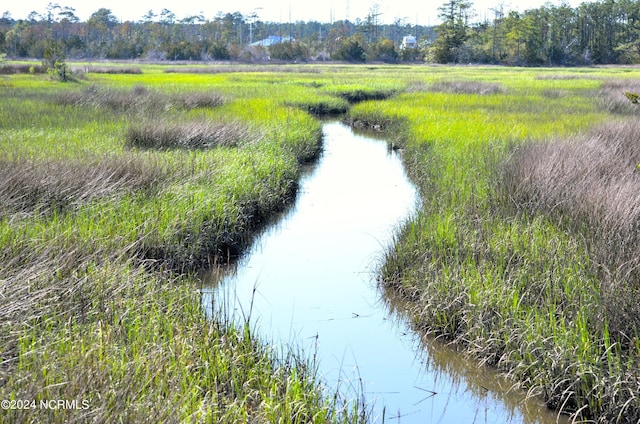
[514,291]
[311,279]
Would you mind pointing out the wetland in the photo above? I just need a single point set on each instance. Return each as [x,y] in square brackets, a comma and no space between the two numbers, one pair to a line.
[512,242]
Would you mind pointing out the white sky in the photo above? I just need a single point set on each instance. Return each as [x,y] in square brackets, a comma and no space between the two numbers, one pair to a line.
[423,12]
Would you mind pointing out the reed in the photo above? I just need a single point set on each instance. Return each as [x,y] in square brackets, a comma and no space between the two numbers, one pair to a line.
[467,87]
[30,186]
[22,68]
[139,99]
[189,135]
[131,70]
[126,345]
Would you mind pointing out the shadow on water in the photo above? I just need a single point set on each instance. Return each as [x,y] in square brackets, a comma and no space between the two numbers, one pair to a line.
[309,280]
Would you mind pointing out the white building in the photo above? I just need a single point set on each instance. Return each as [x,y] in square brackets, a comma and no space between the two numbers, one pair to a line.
[409,42]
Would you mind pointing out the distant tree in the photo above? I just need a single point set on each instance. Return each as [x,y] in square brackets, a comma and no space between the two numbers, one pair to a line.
[596,32]
[411,54]
[338,33]
[515,39]
[55,61]
[99,32]
[69,13]
[371,23]
[289,51]
[384,51]
[454,30]
[351,49]
[217,50]
[167,17]
[34,16]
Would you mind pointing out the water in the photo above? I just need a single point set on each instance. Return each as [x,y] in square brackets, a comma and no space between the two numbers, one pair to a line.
[309,281]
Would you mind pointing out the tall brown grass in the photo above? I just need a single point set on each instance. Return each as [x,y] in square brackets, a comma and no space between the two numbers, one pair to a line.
[139,99]
[592,184]
[22,68]
[31,186]
[455,87]
[199,134]
[612,96]
[467,87]
[113,70]
[228,68]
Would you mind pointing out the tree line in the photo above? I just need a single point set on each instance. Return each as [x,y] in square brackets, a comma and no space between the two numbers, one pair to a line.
[599,32]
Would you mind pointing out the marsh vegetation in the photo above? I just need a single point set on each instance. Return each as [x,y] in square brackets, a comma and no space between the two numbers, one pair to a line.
[114,190]
[523,252]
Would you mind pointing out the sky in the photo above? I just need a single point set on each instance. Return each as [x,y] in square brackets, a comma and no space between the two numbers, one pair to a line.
[422,12]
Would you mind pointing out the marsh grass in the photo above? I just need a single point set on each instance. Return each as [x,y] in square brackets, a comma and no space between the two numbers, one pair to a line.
[139,99]
[138,348]
[466,87]
[130,70]
[592,182]
[612,96]
[361,95]
[43,187]
[22,68]
[101,300]
[322,108]
[200,134]
[306,69]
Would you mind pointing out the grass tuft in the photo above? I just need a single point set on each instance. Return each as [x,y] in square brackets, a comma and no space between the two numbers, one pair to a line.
[465,87]
[22,68]
[361,95]
[189,135]
[114,70]
[29,186]
[139,99]
[613,99]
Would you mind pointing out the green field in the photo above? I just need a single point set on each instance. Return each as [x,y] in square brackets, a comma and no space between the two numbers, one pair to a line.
[117,188]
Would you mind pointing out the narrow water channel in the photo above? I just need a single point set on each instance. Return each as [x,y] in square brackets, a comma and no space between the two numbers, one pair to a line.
[309,281]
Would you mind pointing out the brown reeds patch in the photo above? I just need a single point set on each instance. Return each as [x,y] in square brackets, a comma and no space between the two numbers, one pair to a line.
[563,77]
[591,183]
[243,68]
[139,99]
[189,135]
[554,93]
[114,70]
[466,87]
[30,186]
[22,68]
[417,86]
[357,96]
[613,99]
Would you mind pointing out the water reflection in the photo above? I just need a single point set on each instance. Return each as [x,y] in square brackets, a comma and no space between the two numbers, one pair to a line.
[310,280]
[456,378]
